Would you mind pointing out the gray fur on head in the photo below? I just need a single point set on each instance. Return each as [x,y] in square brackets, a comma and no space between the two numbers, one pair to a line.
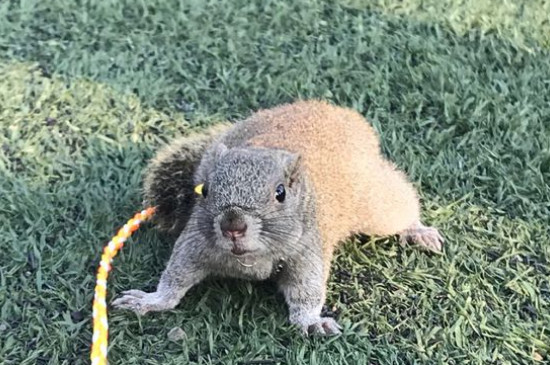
[243,181]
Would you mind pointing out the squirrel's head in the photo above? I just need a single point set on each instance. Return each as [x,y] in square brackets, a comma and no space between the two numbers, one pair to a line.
[250,199]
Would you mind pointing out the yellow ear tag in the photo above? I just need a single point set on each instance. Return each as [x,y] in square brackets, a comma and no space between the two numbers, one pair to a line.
[198,189]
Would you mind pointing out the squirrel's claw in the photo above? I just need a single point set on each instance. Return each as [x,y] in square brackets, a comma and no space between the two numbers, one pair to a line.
[140,302]
[325,326]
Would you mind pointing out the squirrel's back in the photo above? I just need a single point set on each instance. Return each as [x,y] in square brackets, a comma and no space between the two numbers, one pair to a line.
[341,154]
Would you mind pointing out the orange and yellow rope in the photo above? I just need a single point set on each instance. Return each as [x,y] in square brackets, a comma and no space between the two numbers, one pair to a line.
[101,326]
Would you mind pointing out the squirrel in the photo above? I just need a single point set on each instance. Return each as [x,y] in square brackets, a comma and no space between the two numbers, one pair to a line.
[278,192]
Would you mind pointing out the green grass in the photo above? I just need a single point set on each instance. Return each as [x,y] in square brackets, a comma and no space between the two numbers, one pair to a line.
[522,21]
[90,89]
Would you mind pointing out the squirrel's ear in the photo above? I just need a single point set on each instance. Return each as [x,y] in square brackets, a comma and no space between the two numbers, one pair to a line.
[221,149]
[292,167]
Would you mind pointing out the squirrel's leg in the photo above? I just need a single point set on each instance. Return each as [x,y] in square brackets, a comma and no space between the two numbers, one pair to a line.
[391,206]
[182,272]
[303,284]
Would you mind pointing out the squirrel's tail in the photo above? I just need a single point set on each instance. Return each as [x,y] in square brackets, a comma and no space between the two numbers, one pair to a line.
[168,182]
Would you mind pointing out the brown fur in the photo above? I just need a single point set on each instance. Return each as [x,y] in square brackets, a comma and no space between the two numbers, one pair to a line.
[357,189]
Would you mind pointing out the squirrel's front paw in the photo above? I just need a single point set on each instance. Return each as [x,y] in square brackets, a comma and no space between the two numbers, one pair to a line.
[141,302]
[321,326]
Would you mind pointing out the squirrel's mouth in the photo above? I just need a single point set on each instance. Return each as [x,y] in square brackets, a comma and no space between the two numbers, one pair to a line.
[238,249]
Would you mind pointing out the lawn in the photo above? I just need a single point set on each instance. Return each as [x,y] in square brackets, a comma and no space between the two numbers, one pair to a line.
[458,90]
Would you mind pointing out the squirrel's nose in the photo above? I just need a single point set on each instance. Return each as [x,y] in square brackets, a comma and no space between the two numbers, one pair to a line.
[233,228]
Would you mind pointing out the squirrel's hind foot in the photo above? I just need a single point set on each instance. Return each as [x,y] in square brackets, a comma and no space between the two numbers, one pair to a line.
[427,237]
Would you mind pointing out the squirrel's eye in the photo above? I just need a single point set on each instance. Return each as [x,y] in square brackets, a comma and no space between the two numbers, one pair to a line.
[280,193]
